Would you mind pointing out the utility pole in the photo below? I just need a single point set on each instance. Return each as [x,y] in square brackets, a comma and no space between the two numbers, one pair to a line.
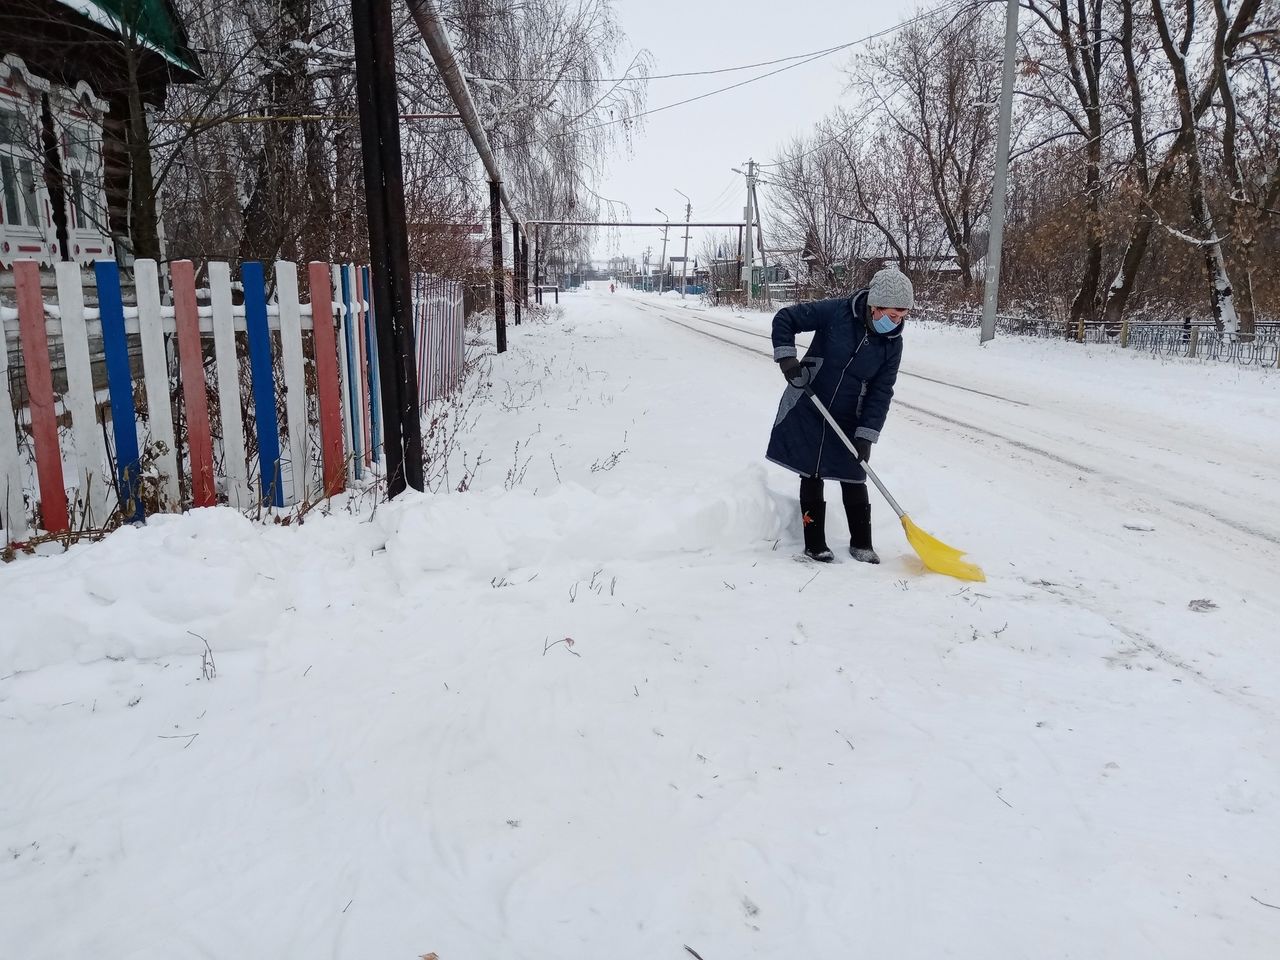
[684,261]
[495,225]
[426,14]
[662,266]
[388,242]
[515,269]
[1000,187]
[748,216]
[738,264]
[524,267]
[764,260]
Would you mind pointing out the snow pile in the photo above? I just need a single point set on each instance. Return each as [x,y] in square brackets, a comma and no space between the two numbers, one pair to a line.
[214,576]
[507,531]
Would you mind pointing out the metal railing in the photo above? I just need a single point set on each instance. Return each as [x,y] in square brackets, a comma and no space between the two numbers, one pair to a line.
[1171,339]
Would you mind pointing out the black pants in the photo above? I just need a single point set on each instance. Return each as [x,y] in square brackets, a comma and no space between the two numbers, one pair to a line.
[853,494]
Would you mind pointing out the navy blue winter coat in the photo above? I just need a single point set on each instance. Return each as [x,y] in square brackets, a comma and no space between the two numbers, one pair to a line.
[853,370]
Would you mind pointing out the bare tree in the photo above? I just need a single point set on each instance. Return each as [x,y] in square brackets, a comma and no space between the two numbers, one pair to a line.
[1250,141]
[1071,79]
[811,188]
[935,82]
[1158,157]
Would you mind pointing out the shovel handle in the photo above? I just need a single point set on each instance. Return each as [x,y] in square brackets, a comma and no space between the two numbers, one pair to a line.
[826,414]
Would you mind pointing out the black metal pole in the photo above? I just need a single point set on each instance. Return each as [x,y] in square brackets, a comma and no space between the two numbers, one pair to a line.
[367,102]
[388,241]
[515,269]
[524,268]
[499,298]
[537,264]
[401,285]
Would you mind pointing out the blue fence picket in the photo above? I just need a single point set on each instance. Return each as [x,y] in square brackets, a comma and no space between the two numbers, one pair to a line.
[264,389]
[124,420]
[375,382]
[353,375]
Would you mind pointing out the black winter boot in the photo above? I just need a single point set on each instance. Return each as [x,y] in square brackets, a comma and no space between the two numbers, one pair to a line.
[857,508]
[814,516]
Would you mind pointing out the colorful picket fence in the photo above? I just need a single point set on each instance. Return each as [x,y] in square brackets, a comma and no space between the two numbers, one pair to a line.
[310,372]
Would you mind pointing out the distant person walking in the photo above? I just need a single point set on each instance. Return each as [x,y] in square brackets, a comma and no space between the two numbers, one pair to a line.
[851,365]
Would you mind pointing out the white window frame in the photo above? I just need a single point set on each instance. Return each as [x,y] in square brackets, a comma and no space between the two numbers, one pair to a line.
[77,120]
[25,240]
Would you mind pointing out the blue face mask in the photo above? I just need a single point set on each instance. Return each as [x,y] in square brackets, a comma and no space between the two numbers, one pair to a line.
[884,324]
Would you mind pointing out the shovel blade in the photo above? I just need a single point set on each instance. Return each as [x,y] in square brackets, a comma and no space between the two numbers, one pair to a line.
[938,556]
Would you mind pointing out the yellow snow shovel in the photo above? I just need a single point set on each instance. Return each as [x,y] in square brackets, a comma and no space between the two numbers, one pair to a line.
[937,556]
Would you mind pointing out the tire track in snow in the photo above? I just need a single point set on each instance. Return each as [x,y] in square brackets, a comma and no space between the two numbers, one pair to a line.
[905,373]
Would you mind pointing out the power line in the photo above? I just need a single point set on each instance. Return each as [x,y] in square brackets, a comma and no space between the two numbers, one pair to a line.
[928,14]
[827,51]
[741,83]
[831,139]
[720,199]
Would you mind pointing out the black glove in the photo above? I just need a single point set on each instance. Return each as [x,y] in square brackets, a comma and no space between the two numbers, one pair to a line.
[863,446]
[797,373]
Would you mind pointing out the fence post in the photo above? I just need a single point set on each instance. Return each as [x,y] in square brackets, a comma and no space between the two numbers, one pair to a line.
[124,418]
[13,509]
[262,378]
[95,500]
[228,367]
[40,397]
[1124,333]
[1195,341]
[328,388]
[346,373]
[195,394]
[295,381]
[155,377]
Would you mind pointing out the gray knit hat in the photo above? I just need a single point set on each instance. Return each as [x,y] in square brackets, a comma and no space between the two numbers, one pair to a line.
[891,288]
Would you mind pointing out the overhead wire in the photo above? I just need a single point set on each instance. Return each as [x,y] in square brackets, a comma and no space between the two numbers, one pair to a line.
[630,118]
[826,51]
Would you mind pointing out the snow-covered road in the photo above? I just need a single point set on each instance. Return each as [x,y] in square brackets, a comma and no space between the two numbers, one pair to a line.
[740,752]
[1173,489]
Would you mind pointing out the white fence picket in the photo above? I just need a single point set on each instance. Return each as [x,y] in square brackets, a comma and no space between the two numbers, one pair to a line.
[228,368]
[94,493]
[344,374]
[455,337]
[155,374]
[14,517]
[360,380]
[295,381]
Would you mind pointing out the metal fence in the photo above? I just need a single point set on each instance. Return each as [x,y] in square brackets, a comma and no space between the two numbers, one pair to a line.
[1177,339]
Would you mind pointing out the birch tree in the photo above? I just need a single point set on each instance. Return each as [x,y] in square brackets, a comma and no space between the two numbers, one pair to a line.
[1159,157]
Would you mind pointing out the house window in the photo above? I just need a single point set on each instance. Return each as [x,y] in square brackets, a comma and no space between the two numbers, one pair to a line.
[84,179]
[17,171]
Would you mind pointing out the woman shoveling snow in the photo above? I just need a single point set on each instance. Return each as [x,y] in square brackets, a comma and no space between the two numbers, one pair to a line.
[851,366]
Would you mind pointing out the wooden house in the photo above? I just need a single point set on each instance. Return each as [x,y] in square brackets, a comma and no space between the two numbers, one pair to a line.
[77,78]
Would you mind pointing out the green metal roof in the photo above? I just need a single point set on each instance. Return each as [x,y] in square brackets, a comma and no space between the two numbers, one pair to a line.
[154,22]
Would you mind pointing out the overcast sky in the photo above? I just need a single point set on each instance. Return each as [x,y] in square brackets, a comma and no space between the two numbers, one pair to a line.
[694,147]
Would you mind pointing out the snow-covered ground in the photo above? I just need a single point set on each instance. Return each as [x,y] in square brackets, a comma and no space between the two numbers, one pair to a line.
[595,707]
